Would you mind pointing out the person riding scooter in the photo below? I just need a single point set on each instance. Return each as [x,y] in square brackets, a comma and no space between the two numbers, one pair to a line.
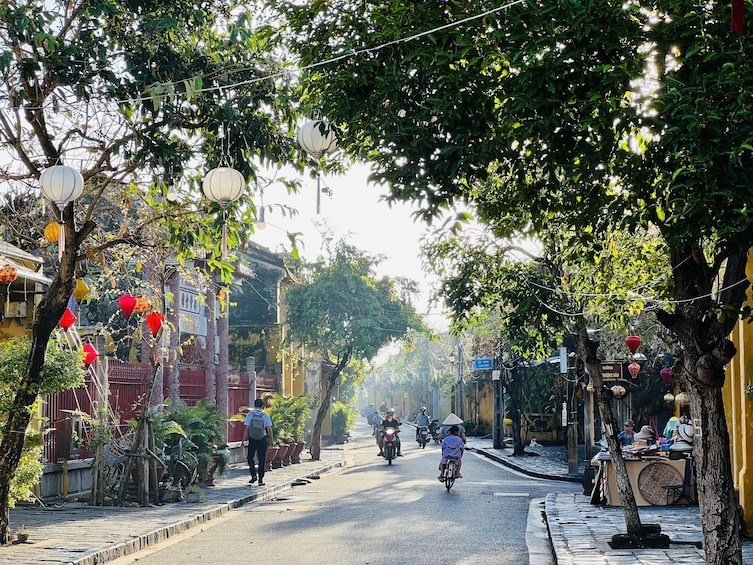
[422,421]
[389,422]
[452,446]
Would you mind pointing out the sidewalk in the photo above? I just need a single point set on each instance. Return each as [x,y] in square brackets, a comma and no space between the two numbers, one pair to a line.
[579,531]
[74,533]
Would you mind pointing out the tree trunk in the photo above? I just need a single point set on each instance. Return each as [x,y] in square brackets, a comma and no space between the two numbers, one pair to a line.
[47,315]
[327,387]
[587,349]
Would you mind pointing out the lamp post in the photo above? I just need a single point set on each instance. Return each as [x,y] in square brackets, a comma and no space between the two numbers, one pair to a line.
[317,139]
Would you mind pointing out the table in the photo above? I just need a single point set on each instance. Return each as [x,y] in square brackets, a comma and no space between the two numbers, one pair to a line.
[648,477]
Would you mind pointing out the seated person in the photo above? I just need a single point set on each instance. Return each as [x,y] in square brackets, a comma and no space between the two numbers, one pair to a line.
[452,446]
[627,436]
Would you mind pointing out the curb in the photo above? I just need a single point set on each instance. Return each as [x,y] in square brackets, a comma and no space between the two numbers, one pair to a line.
[158,535]
[505,461]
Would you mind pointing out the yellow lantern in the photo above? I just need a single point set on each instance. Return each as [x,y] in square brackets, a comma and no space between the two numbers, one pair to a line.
[142,304]
[52,232]
[81,291]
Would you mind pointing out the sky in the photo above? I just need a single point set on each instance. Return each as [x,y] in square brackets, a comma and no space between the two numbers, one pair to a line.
[353,210]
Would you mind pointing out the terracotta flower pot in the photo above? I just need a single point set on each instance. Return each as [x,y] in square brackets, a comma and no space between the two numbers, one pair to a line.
[295,457]
[271,454]
[282,451]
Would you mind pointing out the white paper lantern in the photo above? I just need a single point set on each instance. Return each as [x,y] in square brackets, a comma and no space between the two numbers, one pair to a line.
[313,141]
[61,184]
[223,185]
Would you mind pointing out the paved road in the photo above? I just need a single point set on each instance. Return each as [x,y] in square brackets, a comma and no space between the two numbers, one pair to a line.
[374,513]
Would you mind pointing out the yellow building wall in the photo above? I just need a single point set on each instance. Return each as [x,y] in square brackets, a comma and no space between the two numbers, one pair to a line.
[739,413]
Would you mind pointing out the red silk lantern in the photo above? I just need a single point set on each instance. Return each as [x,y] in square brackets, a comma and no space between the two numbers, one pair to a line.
[666,375]
[142,304]
[90,354]
[155,321]
[127,303]
[634,368]
[633,342]
[67,319]
[8,274]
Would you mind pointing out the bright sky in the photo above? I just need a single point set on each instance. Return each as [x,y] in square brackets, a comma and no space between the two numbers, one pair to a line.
[353,210]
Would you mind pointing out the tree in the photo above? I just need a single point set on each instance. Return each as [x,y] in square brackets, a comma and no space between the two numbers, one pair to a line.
[584,114]
[343,312]
[135,95]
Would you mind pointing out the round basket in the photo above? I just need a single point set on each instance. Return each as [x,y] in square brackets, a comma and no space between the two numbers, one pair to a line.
[653,478]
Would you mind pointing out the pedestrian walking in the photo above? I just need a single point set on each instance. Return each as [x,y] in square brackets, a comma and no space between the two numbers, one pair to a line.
[259,435]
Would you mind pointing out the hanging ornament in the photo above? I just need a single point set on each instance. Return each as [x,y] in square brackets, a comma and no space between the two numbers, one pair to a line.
[90,354]
[618,391]
[317,139]
[666,375]
[81,291]
[67,319]
[223,185]
[142,304]
[127,303]
[737,23]
[634,368]
[633,342]
[669,397]
[8,273]
[590,387]
[52,232]
[61,185]
[682,399]
[155,320]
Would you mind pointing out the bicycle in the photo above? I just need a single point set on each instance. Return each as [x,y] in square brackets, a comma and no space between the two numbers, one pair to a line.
[450,472]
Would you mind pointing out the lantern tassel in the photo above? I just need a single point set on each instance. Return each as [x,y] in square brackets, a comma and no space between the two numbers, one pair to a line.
[61,242]
[318,192]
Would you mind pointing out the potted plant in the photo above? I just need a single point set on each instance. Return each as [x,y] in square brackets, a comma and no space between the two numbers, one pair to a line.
[343,419]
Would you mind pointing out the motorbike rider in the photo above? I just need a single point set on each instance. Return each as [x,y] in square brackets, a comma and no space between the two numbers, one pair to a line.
[422,420]
[389,422]
[452,446]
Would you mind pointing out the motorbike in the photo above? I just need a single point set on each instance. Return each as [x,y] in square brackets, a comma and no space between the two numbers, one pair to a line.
[435,430]
[423,436]
[390,444]
[450,472]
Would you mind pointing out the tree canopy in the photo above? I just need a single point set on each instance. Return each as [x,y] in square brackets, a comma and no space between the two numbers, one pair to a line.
[586,115]
[342,311]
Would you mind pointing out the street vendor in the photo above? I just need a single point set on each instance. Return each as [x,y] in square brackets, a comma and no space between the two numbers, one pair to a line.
[627,436]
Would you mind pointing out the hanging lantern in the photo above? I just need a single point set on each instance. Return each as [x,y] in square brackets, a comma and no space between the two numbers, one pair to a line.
[67,319]
[127,303]
[317,144]
[618,391]
[634,368]
[666,375]
[142,304]
[633,342]
[155,320]
[81,291]
[590,387]
[223,185]
[90,354]
[669,397]
[61,184]
[52,232]
[8,273]
[682,399]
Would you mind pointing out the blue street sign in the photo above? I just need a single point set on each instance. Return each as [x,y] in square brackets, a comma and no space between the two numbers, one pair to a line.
[482,363]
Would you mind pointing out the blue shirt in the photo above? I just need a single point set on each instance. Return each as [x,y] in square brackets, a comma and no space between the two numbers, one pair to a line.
[267,419]
[452,446]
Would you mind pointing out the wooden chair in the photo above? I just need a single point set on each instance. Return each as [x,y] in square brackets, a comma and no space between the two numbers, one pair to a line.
[684,493]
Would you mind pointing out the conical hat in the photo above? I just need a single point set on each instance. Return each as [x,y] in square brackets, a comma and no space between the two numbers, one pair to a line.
[451,420]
